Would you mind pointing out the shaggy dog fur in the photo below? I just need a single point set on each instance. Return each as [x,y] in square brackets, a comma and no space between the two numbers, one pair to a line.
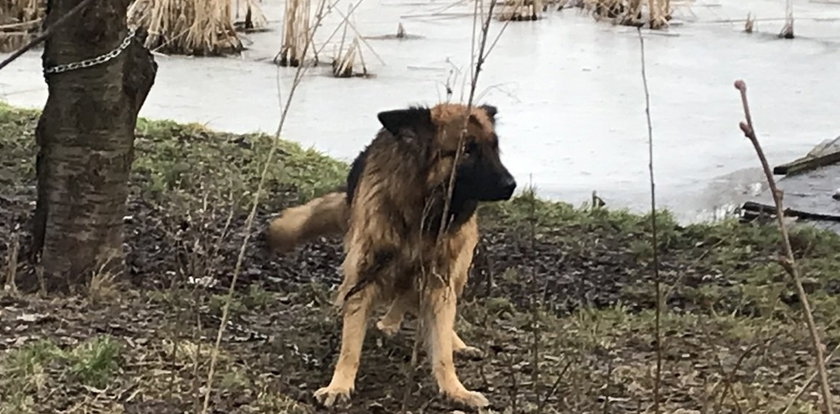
[395,252]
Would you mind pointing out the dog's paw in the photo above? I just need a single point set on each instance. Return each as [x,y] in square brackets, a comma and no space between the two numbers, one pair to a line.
[328,396]
[472,399]
[470,352]
[389,330]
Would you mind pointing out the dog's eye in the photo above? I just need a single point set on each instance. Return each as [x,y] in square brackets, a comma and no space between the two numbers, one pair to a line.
[470,148]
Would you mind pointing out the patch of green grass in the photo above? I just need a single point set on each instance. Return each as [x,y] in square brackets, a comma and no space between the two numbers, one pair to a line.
[254,298]
[29,369]
[94,361]
[217,303]
[257,297]
[182,164]
[23,373]
[182,159]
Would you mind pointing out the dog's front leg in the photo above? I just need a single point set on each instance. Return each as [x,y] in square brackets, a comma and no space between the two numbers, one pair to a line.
[355,311]
[439,320]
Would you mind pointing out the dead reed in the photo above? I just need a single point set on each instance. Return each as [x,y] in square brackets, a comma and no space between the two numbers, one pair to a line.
[787,29]
[345,59]
[653,13]
[20,20]
[249,16]
[522,10]
[344,62]
[296,30]
[188,27]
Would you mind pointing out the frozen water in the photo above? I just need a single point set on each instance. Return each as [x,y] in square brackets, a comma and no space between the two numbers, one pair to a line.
[568,89]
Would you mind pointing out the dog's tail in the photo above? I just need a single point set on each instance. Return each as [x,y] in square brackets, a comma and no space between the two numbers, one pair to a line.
[323,216]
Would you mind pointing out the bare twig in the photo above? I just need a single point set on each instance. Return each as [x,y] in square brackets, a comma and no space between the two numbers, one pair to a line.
[475,68]
[730,379]
[301,69]
[46,34]
[788,262]
[554,386]
[657,281]
[12,264]
[360,36]
[479,62]
[536,302]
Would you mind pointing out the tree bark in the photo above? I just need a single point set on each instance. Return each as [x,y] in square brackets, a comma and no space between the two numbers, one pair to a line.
[86,141]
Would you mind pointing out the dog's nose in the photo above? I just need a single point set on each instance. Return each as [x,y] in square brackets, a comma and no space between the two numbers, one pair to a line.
[509,183]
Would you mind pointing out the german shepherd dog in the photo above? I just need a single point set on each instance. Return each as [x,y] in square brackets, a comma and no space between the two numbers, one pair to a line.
[390,215]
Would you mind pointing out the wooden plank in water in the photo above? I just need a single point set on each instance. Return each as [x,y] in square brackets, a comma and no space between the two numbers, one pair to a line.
[759,209]
[807,164]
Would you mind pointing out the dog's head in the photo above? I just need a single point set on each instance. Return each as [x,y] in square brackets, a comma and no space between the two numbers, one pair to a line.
[440,132]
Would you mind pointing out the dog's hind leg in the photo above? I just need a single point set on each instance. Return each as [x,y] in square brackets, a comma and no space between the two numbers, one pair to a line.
[391,321]
[439,320]
[463,350]
[356,310]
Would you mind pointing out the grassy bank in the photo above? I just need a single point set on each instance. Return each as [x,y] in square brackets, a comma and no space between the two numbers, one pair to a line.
[576,282]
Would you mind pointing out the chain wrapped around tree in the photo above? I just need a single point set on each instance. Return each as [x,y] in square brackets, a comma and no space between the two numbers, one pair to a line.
[98,74]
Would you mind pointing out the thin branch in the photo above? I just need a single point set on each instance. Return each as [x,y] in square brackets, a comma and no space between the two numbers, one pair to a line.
[554,386]
[788,262]
[46,34]
[475,68]
[301,69]
[479,62]
[656,278]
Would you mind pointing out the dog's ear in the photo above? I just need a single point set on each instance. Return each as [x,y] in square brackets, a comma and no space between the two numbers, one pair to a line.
[491,112]
[413,119]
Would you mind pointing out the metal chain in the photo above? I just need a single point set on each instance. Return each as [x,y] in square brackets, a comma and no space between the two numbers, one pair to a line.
[66,67]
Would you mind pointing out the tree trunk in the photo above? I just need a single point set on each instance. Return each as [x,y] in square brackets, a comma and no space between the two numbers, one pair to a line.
[86,140]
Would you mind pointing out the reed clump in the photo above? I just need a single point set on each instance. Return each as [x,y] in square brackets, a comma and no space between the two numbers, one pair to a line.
[20,20]
[345,61]
[249,16]
[296,29]
[187,27]
[653,13]
[522,10]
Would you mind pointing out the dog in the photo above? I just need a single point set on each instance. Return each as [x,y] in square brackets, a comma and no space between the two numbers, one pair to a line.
[400,247]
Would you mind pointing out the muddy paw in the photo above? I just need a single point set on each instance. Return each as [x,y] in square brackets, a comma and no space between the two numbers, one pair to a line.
[470,352]
[328,396]
[389,330]
[470,398]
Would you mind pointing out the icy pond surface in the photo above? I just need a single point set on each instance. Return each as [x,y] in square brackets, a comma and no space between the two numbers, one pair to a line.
[568,89]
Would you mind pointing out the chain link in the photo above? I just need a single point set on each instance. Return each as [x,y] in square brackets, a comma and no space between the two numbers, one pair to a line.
[66,67]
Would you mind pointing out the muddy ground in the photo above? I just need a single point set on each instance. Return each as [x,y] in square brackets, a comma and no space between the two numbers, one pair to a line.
[560,301]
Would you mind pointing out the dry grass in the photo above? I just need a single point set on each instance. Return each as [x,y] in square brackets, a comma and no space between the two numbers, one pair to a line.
[19,21]
[296,29]
[249,16]
[194,27]
[654,13]
[519,10]
[345,60]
